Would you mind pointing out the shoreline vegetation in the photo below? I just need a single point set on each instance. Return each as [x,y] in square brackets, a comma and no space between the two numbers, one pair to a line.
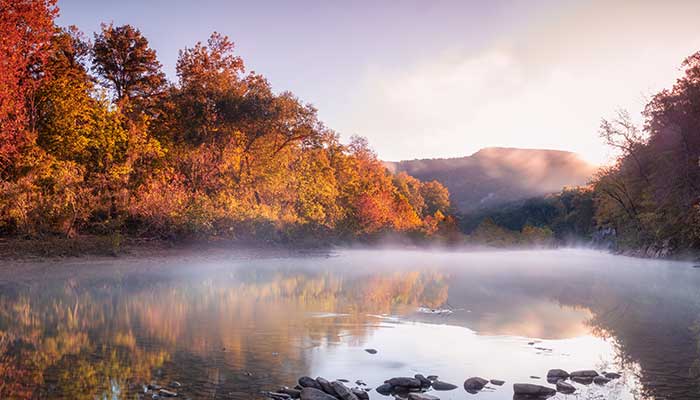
[100,152]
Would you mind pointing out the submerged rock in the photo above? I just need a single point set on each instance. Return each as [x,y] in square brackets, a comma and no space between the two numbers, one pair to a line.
[440,385]
[529,389]
[371,351]
[385,389]
[422,396]
[565,388]
[475,384]
[167,393]
[497,382]
[309,393]
[406,382]
[343,391]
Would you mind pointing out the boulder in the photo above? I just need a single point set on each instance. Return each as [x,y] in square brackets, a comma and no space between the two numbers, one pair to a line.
[612,375]
[307,381]
[440,385]
[385,389]
[432,377]
[421,396]
[342,391]
[475,384]
[588,373]
[600,380]
[166,393]
[404,382]
[564,387]
[424,382]
[584,380]
[326,386]
[529,389]
[497,382]
[310,393]
[361,394]
[557,373]
[371,351]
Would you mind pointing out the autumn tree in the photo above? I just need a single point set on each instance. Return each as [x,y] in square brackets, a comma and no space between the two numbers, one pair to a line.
[125,63]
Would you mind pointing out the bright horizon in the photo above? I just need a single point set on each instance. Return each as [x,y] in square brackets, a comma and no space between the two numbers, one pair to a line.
[440,79]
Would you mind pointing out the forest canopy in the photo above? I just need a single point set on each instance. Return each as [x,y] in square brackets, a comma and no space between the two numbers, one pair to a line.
[95,140]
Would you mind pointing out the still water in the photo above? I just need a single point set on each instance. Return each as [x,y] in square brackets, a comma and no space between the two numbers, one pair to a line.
[228,325]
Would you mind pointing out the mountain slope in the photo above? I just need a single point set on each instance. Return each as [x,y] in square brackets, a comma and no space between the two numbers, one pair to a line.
[497,175]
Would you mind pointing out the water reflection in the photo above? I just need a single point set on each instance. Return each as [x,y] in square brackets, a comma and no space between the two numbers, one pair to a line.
[228,327]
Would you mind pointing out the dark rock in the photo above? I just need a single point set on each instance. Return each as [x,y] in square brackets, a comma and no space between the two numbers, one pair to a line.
[696,266]
[612,375]
[440,385]
[475,384]
[557,373]
[385,389]
[565,388]
[528,389]
[600,380]
[167,393]
[307,381]
[360,383]
[497,382]
[175,384]
[432,377]
[343,391]
[421,396]
[584,380]
[371,351]
[404,382]
[424,382]
[293,393]
[154,386]
[310,393]
[277,395]
[342,380]
[326,386]
[361,394]
[534,377]
[588,373]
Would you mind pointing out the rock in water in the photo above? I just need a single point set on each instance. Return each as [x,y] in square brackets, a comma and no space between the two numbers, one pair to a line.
[557,373]
[582,380]
[588,373]
[424,382]
[565,388]
[343,391]
[361,394]
[293,393]
[403,381]
[529,389]
[167,393]
[497,382]
[432,377]
[613,375]
[307,381]
[384,389]
[475,384]
[309,393]
[371,351]
[600,380]
[421,396]
[440,385]
[326,386]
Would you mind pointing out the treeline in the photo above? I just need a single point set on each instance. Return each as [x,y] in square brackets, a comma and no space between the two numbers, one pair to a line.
[95,140]
[647,202]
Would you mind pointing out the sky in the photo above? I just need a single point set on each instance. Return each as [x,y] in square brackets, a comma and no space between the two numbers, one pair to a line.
[432,78]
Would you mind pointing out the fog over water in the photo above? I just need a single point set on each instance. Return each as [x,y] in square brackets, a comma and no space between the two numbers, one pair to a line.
[229,324]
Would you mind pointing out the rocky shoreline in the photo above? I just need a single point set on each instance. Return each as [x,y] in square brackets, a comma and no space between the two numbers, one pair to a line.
[420,387]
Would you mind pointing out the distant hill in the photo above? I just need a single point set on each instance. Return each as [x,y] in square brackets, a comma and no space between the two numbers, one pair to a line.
[498,175]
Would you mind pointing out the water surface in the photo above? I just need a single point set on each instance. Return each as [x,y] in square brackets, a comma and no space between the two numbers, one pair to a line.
[228,325]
